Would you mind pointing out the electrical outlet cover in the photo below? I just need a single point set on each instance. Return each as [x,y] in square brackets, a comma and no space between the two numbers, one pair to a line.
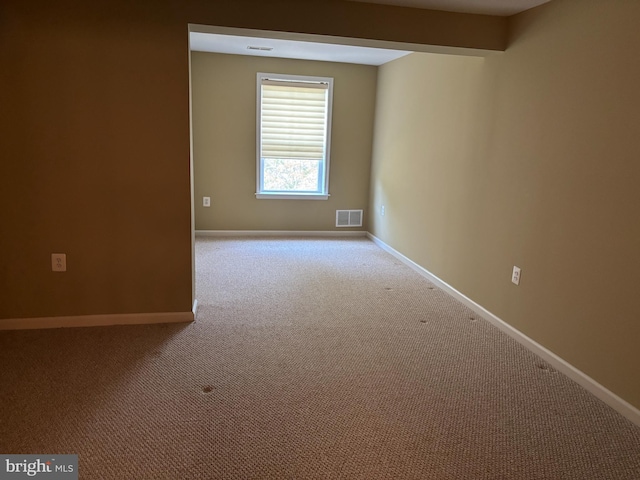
[58,262]
[515,276]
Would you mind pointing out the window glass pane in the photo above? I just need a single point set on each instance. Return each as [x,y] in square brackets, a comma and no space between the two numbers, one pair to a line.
[292,175]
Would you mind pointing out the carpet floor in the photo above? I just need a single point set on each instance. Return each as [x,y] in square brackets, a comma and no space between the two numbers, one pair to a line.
[309,359]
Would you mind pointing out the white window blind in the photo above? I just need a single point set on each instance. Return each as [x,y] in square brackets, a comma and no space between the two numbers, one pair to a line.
[294,120]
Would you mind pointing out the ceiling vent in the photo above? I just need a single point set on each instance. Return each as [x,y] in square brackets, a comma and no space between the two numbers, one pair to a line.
[348,218]
[261,49]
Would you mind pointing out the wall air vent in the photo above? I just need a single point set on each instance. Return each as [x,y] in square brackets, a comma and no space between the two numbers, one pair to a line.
[260,49]
[348,218]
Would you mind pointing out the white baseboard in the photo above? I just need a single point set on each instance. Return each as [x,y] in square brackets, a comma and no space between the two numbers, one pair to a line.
[614,401]
[95,320]
[194,310]
[279,233]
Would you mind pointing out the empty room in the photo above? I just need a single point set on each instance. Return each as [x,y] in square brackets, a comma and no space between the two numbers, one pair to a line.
[430,273]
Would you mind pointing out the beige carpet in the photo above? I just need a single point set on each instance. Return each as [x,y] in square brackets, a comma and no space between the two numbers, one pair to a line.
[310,358]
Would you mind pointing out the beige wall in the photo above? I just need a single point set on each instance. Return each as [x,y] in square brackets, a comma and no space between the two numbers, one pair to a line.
[224,143]
[94,162]
[528,158]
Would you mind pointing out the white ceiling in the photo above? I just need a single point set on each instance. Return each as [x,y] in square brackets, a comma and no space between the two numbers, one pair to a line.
[236,41]
[487,7]
[237,45]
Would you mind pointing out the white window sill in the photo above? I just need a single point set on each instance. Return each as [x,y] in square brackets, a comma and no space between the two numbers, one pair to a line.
[292,196]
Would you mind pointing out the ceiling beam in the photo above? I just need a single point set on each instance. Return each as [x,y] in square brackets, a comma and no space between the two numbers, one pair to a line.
[424,30]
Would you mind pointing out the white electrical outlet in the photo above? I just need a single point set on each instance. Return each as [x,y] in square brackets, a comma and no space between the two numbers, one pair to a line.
[206,201]
[515,276]
[382,210]
[59,262]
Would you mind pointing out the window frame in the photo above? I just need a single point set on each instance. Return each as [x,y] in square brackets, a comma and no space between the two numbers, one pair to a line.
[292,195]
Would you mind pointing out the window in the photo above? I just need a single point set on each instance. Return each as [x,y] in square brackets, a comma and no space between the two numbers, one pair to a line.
[294,129]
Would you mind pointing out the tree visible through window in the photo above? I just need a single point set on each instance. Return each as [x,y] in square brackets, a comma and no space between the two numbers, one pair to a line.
[294,122]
